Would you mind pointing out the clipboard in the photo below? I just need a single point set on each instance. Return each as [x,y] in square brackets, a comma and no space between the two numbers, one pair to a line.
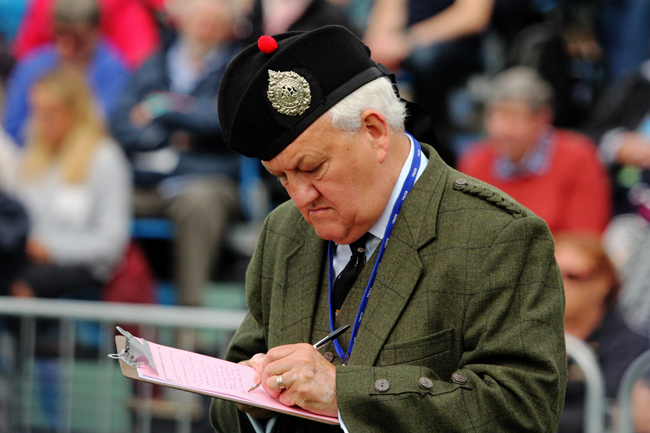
[131,372]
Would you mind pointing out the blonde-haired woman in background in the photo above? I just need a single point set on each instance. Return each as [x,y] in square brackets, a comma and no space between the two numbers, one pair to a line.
[76,185]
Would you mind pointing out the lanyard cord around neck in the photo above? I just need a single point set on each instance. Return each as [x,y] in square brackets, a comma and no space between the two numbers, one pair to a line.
[406,188]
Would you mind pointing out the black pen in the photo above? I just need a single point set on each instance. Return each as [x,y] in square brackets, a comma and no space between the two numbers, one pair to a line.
[331,337]
[318,345]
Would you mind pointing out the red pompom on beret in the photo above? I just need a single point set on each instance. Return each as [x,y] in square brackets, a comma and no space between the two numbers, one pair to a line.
[267,44]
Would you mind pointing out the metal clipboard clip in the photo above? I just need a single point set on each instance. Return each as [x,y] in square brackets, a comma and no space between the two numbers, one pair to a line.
[133,350]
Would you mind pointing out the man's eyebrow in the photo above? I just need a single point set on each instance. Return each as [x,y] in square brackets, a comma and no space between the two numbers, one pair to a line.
[300,161]
[295,166]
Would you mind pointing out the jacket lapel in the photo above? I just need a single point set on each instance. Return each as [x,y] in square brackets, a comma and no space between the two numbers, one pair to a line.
[401,267]
[303,270]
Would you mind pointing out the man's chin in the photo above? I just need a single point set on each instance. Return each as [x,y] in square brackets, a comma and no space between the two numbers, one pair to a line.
[329,233]
[326,225]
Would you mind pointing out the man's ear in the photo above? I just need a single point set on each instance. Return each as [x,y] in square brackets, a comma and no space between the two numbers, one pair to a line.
[375,128]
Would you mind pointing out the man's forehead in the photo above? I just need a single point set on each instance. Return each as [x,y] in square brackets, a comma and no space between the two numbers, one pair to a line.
[312,143]
[519,105]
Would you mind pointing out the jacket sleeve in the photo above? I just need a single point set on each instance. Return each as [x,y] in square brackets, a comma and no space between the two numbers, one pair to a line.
[16,100]
[131,137]
[109,79]
[512,372]
[198,117]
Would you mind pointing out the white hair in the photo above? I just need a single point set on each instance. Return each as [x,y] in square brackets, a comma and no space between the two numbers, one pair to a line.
[377,95]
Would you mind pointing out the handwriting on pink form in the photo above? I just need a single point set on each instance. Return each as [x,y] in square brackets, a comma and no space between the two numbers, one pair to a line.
[206,375]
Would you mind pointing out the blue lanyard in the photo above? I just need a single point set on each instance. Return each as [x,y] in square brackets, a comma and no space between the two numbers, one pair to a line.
[406,188]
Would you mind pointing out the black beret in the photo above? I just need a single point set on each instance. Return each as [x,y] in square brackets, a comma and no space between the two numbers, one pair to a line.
[267,100]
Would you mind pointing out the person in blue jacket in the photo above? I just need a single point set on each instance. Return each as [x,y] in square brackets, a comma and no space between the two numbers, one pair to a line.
[76,42]
[167,122]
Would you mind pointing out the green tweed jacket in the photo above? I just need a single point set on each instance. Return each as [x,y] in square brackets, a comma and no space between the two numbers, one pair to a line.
[463,330]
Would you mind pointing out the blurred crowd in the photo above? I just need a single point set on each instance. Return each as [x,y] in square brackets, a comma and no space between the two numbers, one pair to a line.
[109,113]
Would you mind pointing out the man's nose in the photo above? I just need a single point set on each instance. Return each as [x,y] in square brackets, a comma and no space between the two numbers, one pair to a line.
[301,190]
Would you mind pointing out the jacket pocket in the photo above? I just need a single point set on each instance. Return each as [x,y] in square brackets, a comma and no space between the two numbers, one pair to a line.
[412,351]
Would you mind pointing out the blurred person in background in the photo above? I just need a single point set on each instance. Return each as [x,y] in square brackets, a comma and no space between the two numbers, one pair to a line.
[77,42]
[167,122]
[437,41]
[270,17]
[76,185]
[621,125]
[398,29]
[14,226]
[624,34]
[11,13]
[9,154]
[128,25]
[591,288]
[14,223]
[555,173]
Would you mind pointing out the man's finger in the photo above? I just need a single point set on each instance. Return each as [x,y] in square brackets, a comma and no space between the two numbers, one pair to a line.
[279,352]
[287,367]
[278,360]
[255,362]
[273,384]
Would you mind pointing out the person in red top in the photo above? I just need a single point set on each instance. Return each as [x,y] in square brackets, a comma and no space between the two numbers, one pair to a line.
[555,173]
[128,24]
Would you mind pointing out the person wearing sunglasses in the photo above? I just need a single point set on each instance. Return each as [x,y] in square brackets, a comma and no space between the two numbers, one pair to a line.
[592,288]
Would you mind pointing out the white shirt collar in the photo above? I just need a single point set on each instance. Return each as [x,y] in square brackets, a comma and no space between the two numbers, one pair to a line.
[380,226]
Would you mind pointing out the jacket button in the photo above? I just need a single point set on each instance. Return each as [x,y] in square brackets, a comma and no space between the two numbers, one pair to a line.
[382,385]
[459,378]
[425,383]
[329,356]
[461,182]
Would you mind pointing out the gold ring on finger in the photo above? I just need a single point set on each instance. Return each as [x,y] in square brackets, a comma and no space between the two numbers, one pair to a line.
[278,378]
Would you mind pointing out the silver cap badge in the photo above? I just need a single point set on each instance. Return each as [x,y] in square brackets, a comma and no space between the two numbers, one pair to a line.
[289,93]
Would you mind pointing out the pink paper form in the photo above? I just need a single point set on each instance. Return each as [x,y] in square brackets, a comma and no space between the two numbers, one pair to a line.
[216,377]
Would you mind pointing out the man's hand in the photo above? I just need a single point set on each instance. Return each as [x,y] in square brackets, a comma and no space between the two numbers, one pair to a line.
[37,252]
[634,151]
[389,48]
[140,115]
[255,412]
[309,379]
[21,289]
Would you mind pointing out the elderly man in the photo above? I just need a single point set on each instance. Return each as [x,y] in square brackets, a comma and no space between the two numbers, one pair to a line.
[457,321]
[555,173]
